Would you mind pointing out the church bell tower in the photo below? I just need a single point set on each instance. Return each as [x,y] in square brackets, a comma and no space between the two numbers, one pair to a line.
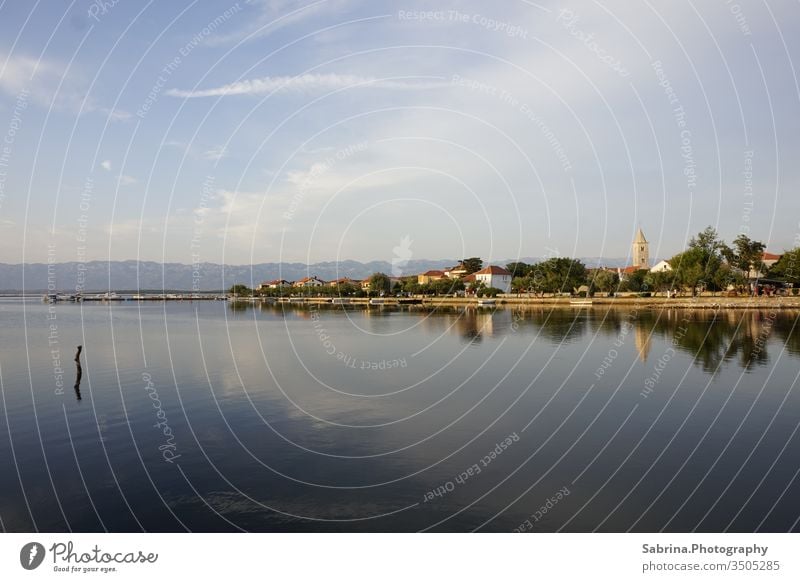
[641,251]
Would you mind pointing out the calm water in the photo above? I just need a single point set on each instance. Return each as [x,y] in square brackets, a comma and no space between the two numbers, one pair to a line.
[206,417]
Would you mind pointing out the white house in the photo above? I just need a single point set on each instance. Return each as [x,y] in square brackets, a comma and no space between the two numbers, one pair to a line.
[276,284]
[309,282]
[767,260]
[456,272]
[661,267]
[493,276]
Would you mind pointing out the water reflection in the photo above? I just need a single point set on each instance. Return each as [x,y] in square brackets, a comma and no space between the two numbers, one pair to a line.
[712,338]
[264,416]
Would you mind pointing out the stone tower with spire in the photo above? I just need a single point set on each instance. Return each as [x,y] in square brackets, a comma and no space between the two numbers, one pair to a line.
[641,251]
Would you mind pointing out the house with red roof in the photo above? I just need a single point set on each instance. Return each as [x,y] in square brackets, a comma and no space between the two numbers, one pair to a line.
[343,281]
[275,284]
[428,276]
[767,260]
[456,272]
[309,282]
[494,276]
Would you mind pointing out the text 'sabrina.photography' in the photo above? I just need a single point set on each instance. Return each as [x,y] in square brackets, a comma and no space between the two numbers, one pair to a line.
[314,289]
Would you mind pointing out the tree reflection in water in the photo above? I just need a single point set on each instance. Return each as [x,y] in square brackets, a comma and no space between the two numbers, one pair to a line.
[710,337]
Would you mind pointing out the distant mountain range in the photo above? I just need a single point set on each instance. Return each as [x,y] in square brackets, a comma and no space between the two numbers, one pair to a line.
[96,276]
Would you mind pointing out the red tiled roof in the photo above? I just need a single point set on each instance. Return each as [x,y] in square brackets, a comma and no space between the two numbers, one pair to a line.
[770,257]
[631,269]
[493,270]
[433,273]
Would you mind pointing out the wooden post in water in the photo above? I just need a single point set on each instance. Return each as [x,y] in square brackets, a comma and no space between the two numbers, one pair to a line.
[78,373]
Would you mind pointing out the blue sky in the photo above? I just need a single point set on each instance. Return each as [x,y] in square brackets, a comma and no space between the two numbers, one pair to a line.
[309,131]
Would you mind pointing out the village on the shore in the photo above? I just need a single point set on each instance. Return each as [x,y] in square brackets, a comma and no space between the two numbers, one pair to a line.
[708,266]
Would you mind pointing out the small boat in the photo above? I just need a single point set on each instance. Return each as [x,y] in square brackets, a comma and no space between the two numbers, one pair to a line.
[377,301]
[409,301]
[487,301]
[340,300]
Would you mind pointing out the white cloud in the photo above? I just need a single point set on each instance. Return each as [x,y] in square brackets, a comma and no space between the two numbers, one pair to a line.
[307,83]
[44,80]
[20,72]
[116,114]
[274,15]
[125,180]
[106,165]
[216,154]
[51,84]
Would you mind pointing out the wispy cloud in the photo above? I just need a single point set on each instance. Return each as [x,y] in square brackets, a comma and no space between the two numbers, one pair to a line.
[310,83]
[216,154]
[20,72]
[114,114]
[273,15]
[50,85]
[106,165]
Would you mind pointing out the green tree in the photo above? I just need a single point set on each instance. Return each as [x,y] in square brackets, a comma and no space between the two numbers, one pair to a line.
[472,264]
[660,281]
[519,269]
[708,242]
[347,289]
[726,276]
[604,280]
[379,283]
[559,274]
[447,286]
[477,287]
[410,285]
[489,292]
[240,290]
[636,281]
[787,268]
[696,267]
[745,254]
[522,284]
[691,269]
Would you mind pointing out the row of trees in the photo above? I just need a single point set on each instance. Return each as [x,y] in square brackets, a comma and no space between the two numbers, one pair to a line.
[708,264]
[380,284]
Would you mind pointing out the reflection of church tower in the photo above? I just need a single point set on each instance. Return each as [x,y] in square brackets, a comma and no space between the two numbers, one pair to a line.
[641,251]
[642,337]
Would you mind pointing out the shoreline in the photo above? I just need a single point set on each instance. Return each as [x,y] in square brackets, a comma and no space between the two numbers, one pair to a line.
[708,302]
[705,302]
